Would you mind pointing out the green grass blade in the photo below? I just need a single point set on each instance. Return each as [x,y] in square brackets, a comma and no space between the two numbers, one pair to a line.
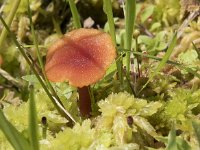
[107,7]
[15,138]
[171,144]
[33,125]
[75,15]
[11,79]
[190,71]
[163,61]
[196,127]
[160,59]
[149,56]
[196,49]
[9,20]
[35,41]
[22,51]
[182,144]
[56,26]
[130,13]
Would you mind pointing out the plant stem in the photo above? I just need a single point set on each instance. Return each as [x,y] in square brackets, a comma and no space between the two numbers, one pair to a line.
[75,15]
[164,59]
[84,101]
[56,26]
[181,66]
[9,20]
[16,139]
[33,125]
[35,41]
[107,6]
[67,115]
[44,127]
[14,81]
[136,64]
[130,11]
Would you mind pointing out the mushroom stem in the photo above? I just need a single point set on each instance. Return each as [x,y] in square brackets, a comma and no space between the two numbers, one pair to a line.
[84,101]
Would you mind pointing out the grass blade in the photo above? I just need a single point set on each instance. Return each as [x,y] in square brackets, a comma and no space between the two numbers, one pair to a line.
[171,145]
[35,41]
[190,71]
[11,79]
[149,56]
[196,127]
[33,125]
[107,7]
[130,13]
[9,20]
[16,139]
[163,61]
[22,51]
[196,49]
[160,59]
[75,15]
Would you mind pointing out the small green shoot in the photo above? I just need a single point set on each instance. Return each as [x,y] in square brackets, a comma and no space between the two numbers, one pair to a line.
[75,15]
[44,127]
[196,127]
[171,145]
[22,51]
[9,20]
[107,7]
[35,41]
[148,56]
[196,49]
[164,60]
[181,66]
[130,14]
[16,139]
[10,78]
[33,125]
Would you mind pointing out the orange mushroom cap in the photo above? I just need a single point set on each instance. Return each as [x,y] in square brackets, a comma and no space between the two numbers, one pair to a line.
[81,57]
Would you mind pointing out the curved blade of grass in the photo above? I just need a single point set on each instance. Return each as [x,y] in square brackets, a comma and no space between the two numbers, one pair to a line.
[163,61]
[130,13]
[22,51]
[16,139]
[35,41]
[75,15]
[190,71]
[196,127]
[160,59]
[196,49]
[9,20]
[30,46]
[148,56]
[56,26]
[33,125]
[107,7]
[11,79]
[171,144]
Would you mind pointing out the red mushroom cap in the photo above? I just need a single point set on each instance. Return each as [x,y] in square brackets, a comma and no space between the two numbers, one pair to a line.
[81,57]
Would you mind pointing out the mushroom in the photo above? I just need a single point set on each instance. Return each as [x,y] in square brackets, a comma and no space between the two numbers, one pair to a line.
[81,58]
